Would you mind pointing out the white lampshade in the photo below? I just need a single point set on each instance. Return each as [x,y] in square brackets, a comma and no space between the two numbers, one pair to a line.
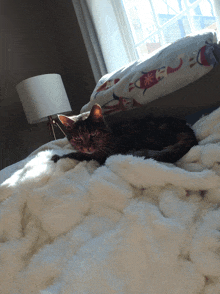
[42,96]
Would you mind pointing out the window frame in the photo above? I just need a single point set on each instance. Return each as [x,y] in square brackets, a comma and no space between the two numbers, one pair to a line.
[126,34]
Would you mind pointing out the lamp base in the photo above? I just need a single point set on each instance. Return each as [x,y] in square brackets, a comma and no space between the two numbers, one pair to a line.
[51,123]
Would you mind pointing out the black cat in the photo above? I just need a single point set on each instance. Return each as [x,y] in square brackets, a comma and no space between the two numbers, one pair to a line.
[164,139]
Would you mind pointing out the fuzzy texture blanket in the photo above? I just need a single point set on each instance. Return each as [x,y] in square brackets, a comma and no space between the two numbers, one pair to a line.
[133,226]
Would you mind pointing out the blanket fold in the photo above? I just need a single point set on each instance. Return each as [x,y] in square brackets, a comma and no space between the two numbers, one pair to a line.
[133,226]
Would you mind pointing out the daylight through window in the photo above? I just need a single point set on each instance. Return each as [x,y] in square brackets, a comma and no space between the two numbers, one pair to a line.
[154,23]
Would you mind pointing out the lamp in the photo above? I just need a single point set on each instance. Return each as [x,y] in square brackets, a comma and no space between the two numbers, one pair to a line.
[43,96]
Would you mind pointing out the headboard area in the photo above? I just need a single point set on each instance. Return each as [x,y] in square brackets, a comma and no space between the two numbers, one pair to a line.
[181,79]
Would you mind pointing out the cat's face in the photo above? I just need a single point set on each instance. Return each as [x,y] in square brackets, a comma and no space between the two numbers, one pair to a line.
[87,132]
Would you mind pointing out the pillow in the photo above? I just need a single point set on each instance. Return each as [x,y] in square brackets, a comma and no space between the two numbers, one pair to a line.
[142,82]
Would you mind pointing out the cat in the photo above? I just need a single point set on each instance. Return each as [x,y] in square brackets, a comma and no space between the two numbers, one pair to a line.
[165,139]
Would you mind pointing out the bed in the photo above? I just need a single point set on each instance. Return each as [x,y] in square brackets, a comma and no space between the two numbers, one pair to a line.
[130,226]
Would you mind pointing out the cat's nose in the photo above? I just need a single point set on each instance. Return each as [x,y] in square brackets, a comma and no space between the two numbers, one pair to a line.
[86,139]
[82,149]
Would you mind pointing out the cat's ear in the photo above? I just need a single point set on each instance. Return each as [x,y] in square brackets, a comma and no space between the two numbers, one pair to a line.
[96,113]
[67,121]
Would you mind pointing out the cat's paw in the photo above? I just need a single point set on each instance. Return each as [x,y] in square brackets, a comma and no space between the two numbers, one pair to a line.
[138,153]
[55,158]
[146,153]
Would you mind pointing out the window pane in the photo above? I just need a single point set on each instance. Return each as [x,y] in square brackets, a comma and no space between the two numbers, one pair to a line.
[140,18]
[173,8]
[149,46]
[178,29]
[203,15]
[149,19]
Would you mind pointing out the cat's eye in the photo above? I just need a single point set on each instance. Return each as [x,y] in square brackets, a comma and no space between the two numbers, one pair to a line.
[77,139]
[95,133]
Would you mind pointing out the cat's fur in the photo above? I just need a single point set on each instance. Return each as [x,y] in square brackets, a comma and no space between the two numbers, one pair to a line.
[164,139]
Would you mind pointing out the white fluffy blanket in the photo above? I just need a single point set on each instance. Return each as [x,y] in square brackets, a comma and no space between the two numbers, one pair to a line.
[133,226]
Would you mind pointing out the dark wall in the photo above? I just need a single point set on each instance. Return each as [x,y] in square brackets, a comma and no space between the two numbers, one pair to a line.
[38,37]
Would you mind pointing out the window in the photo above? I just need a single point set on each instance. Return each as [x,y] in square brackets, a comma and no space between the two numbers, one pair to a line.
[154,23]
[133,29]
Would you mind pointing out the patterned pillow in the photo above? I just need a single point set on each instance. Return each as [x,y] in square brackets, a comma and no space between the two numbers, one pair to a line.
[169,69]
